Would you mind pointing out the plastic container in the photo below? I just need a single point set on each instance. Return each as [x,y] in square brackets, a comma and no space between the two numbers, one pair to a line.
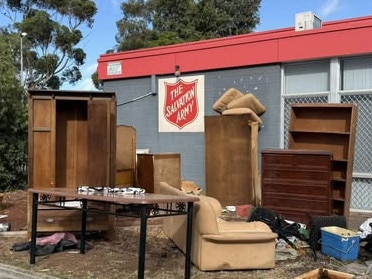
[340,243]
[4,227]
[243,210]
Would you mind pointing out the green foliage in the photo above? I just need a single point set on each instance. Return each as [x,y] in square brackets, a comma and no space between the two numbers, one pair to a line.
[50,52]
[96,81]
[163,39]
[164,22]
[13,123]
[94,77]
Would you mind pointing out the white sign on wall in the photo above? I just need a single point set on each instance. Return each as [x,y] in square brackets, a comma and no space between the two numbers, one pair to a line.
[181,104]
[114,68]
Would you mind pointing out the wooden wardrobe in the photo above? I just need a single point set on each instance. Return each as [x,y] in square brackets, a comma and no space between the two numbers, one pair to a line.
[71,142]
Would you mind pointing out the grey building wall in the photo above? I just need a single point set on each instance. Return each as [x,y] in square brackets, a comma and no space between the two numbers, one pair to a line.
[263,81]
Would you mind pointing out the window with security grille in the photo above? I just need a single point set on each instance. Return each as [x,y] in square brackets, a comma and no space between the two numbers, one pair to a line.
[299,87]
[349,82]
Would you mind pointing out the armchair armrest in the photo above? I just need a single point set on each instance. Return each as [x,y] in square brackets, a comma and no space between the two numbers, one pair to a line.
[241,237]
[255,226]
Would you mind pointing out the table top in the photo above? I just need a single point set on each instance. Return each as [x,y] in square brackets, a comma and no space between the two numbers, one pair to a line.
[119,198]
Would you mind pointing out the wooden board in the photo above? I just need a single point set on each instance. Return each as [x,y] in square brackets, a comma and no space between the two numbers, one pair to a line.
[155,168]
[231,159]
[125,156]
[331,274]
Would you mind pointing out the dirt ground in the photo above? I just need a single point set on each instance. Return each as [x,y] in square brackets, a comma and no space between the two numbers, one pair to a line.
[118,258]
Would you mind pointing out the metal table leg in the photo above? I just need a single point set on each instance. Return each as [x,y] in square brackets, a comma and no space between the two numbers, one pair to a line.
[83,226]
[35,199]
[190,207]
[142,242]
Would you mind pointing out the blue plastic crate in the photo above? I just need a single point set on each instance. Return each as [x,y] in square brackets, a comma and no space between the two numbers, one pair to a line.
[340,243]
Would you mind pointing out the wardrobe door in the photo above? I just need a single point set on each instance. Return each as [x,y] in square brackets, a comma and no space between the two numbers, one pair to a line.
[41,143]
[99,143]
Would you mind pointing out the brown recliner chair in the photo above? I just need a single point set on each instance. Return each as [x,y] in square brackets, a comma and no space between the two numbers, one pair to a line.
[218,244]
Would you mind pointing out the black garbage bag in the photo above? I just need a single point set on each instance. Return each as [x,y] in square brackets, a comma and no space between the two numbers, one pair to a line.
[277,224]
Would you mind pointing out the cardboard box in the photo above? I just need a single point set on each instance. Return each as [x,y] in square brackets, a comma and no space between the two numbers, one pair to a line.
[322,272]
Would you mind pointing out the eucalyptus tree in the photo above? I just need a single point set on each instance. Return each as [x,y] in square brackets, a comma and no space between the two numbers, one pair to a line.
[13,122]
[149,23]
[49,32]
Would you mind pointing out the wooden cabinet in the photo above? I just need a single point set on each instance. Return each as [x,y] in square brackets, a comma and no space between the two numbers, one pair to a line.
[231,159]
[297,183]
[72,142]
[154,168]
[328,127]
[125,156]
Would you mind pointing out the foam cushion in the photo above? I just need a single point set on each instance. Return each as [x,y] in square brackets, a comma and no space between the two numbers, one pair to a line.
[247,101]
[231,94]
[190,187]
[254,117]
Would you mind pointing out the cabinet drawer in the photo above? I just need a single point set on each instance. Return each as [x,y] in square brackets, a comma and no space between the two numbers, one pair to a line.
[315,189]
[296,204]
[283,160]
[69,220]
[296,174]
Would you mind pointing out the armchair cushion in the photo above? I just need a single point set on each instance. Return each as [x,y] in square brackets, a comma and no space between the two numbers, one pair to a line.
[231,94]
[248,100]
[237,111]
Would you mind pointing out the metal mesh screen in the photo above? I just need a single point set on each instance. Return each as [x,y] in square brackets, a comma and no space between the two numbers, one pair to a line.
[363,143]
[361,194]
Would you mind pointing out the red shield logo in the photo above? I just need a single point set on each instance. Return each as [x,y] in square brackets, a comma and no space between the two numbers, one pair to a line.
[181,102]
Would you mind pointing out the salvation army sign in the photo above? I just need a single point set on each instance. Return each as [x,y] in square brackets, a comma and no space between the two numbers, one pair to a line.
[181,104]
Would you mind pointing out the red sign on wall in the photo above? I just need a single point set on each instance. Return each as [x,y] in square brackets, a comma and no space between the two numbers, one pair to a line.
[181,102]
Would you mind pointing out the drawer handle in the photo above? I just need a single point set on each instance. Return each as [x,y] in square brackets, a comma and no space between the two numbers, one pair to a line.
[50,220]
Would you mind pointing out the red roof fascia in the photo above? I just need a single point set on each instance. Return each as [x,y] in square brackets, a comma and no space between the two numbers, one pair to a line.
[338,38]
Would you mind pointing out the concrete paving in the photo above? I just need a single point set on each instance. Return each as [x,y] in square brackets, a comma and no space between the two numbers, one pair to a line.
[11,272]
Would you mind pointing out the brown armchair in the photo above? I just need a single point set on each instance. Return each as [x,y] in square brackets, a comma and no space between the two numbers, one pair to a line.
[218,244]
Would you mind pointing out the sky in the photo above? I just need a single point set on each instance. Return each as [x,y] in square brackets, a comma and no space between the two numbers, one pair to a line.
[274,14]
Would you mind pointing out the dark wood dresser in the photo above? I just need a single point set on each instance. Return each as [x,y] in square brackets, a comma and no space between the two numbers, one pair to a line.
[296,183]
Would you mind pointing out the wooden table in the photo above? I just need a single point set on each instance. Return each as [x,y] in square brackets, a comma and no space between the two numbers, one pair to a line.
[147,206]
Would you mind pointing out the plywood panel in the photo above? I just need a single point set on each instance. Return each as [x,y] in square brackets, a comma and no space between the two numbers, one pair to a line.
[71,141]
[43,172]
[98,143]
[41,148]
[229,168]
[125,155]
[154,168]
